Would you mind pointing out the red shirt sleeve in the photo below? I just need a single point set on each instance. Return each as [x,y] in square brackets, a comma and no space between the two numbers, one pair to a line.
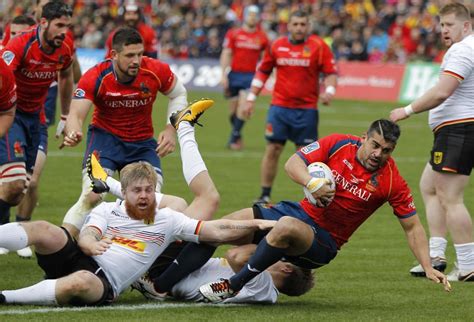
[164,74]
[12,54]
[86,86]
[400,197]
[317,151]
[108,45]
[268,61]
[229,40]
[7,88]
[327,63]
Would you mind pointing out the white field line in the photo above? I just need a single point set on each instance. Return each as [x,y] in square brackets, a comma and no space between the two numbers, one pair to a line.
[221,155]
[136,307]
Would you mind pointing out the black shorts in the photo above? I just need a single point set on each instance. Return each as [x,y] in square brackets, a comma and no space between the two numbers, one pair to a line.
[165,259]
[71,259]
[453,149]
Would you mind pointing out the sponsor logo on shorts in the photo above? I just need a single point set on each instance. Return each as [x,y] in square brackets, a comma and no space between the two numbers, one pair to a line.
[310,148]
[437,157]
[18,149]
[8,57]
[269,129]
[79,93]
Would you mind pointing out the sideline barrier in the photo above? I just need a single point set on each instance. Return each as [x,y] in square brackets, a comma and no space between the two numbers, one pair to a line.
[357,80]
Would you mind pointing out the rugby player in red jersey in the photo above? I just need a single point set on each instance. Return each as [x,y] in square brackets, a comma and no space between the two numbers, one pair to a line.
[132,19]
[123,90]
[36,57]
[308,236]
[298,59]
[241,52]
[7,98]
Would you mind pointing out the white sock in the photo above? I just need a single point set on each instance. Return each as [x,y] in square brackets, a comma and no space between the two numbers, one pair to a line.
[465,256]
[115,187]
[42,293]
[13,236]
[191,158]
[438,247]
[78,212]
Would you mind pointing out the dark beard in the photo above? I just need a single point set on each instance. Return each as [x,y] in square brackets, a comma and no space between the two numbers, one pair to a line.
[147,215]
[51,42]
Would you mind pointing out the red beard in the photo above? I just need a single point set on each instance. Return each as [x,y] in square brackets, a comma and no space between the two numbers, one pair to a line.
[148,214]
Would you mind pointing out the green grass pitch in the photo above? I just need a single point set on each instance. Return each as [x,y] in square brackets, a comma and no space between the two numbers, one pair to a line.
[367,281]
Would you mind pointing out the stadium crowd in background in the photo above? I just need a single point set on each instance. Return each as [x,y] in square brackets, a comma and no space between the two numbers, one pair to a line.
[357,30]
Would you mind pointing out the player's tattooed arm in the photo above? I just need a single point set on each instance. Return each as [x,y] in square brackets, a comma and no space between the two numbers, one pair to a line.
[227,231]
[91,241]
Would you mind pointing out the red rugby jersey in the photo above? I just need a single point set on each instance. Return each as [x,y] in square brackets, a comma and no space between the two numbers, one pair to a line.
[7,87]
[359,193]
[150,40]
[246,48]
[35,70]
[125,110]
[298,69]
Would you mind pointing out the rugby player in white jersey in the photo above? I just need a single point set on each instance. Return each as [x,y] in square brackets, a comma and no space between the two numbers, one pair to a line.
[118,241]
[451,117]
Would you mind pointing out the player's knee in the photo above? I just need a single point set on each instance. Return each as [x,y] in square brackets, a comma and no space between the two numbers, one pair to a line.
[285,228]
[80,282]
[14,192]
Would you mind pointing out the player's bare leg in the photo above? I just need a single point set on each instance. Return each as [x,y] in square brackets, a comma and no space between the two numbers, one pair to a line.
[450,191]
[268,169]
[436,216]
[238,121]
[28,204]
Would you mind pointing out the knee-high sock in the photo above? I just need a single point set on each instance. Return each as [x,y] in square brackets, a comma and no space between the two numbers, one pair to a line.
[264,256]
[13,236]
[191,158]
[42,293]
[192,257]
[237,126]
[4,212]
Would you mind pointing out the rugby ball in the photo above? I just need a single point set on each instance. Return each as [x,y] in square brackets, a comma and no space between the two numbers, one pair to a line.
[319,170]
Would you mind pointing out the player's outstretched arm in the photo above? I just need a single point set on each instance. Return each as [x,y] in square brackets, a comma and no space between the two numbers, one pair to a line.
[65,84]
[418,243]
[73,128]
[228,231]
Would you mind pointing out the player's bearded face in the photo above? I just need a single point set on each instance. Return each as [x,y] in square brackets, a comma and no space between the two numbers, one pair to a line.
[453,29]
[129,59]
[55,31]
[374,151]
[298,28]
[131,18]
[140,200]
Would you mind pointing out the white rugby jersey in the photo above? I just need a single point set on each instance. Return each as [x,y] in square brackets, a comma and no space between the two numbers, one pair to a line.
[459,107]
[136,245]
[260,289]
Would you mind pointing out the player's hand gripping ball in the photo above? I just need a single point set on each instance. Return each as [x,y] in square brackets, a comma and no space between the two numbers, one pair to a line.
[323,174]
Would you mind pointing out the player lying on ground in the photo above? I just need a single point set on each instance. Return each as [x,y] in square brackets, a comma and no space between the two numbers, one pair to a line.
[117,244]
[281,277]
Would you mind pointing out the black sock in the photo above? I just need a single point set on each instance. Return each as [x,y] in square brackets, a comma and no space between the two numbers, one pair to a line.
[264,256]
[266,191]
[192,257]
[236,129]
[4,212]
[19,218]
[232,119]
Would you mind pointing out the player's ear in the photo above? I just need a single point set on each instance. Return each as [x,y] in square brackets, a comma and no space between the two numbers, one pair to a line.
[364,137]
[287,268]
[43,22]
[113,53]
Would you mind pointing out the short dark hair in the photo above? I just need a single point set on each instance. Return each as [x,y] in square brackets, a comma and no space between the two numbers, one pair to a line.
[124,37]
[460,11]
[23,20]
[299,13]
[56,9]
[389,130]
[298,282]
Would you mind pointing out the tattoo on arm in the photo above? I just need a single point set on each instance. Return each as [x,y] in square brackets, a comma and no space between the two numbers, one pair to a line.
[91,231]
[235,227]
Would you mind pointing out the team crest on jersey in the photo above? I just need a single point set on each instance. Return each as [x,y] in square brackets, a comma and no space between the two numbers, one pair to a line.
[145,90]
[306,51]
[18,149]
[79,93]
[310,148]
[8,57]
[373,183]
[437,157]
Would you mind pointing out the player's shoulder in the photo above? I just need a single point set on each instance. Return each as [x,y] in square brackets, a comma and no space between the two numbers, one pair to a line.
[463,48]
[145,29]
[153,64]
[100,69]
[23,39]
